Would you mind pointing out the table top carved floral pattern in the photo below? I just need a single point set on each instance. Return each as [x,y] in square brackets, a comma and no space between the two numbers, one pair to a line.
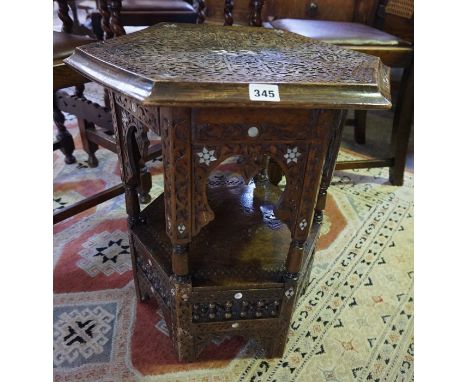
[185,64]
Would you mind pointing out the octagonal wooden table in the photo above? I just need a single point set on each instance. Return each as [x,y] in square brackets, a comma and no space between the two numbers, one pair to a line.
[228,256]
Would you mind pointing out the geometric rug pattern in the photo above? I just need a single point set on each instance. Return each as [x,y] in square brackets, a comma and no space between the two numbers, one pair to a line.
[353,323]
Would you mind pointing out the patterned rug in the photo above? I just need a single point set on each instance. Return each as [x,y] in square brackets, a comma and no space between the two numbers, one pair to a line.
[354,323]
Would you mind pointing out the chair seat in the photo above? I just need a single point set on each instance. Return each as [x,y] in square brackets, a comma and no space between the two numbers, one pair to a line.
[65,44]
[156,6]
[339,33]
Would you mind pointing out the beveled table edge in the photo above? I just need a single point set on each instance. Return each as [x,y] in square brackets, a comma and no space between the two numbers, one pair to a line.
[199,94]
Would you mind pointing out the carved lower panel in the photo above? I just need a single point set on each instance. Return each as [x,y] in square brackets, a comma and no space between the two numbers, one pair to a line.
[249,273]
[235,310]
[158,282]
[236,287]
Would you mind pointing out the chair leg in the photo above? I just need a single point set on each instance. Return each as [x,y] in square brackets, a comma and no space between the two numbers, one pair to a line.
[89,147]
[402,126]
[360,126]
[64,138]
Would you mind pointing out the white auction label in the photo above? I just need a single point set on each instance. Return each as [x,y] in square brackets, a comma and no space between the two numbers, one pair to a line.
[264,92]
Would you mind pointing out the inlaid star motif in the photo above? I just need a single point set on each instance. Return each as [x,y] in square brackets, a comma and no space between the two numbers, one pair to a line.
[206,156]
[289,293]
[181,228]
[303,224]
[292,155]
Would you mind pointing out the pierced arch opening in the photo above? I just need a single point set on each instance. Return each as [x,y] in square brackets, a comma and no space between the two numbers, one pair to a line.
[243,227]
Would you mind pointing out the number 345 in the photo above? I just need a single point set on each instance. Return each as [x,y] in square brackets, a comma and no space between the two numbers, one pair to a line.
[264,93]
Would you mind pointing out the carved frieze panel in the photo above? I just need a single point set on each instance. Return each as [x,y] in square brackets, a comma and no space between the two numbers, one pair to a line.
[235,310]
[149,116]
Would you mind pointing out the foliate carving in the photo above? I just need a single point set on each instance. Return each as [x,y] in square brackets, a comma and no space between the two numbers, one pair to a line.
[235,310]
[212,54]
[175,134]
[149,116]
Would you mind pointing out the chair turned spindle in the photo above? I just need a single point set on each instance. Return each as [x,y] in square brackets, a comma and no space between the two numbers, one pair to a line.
[228,7]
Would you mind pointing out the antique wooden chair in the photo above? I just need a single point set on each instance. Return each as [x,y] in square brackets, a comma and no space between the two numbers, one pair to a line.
[64,43]
[112,24]
[89,114]
[115,14]
[367,34]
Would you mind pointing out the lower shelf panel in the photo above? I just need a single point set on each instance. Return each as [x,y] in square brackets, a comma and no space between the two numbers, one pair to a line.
[237,283]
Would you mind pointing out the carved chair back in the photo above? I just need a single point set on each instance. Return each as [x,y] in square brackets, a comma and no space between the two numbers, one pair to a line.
[71,24]
[62,12]
[111,16]
[396,17]
[255,14]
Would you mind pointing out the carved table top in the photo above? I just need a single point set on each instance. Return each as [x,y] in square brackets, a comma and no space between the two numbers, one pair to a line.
[210,65]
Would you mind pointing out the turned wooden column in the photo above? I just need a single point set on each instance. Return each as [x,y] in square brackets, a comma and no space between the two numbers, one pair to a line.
[105,16]
[115,20]
[330,161]
[228,7]
[256,13]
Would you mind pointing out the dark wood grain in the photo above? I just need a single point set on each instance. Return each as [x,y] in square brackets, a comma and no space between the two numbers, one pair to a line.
[150,76]
[228,255]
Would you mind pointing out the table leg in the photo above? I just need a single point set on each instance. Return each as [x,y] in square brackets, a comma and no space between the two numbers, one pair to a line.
[329,166]
[300,220]
[176,151]
[132,145]
[360,117]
